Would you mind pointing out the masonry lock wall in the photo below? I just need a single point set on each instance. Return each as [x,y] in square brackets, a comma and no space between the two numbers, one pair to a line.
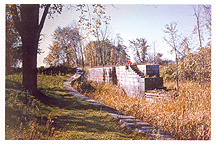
[135,80]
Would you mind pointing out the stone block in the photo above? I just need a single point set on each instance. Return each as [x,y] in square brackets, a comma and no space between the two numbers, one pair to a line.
[128,79]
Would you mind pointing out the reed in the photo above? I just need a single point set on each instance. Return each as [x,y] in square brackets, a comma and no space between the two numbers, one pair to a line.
[187,116]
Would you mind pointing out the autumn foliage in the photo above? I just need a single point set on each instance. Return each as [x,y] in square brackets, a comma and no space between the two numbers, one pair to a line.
[192,67]
[197,66]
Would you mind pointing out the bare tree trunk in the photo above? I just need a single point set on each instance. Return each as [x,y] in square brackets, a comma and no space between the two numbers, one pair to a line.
[29,28]
[81,53]
[30,64]
[30,38]
[154,53]
[177,76]
[198,22]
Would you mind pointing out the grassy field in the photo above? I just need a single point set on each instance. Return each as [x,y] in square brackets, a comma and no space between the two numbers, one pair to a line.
[187,116]
[57,114]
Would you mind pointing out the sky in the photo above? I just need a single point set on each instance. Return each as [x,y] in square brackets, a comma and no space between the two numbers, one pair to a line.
[131,21]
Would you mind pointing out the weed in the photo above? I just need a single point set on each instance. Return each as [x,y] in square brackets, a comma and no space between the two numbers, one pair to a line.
[187,115]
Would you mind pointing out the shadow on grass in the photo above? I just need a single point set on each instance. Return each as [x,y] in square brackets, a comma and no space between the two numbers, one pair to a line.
[69,115]
[65,101]
[80,116]
[13,84]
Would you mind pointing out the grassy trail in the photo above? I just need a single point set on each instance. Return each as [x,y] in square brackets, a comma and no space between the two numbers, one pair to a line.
[57,114]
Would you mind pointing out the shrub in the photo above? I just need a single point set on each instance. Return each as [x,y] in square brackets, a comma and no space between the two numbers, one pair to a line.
[56,70]
[196,66]
[168,72]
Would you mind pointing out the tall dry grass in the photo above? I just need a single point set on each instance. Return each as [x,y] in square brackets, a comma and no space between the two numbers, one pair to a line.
[188,116]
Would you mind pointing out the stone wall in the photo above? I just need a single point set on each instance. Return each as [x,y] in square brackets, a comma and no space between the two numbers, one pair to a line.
[150,70]
[128,79]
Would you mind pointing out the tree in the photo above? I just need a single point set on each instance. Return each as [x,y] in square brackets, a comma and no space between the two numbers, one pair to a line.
[172,41]
[197,13]
[65,49]
[158,58]
[139,46]
[207,18]
[119,51]
[102,39]
[92,22]
[95,24]
[155,57]
[13,44]
[90,54]
[26,21]
[124,57]
[193,65]
[113,57]
[111,54]
[81,45]
[202,28]
[102,51]
[154,52]
[98,53]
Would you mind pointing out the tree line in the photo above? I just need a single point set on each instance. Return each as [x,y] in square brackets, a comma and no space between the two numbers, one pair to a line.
[69,48]
[88,42]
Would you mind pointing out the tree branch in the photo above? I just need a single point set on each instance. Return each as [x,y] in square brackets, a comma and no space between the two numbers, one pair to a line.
[43,17]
